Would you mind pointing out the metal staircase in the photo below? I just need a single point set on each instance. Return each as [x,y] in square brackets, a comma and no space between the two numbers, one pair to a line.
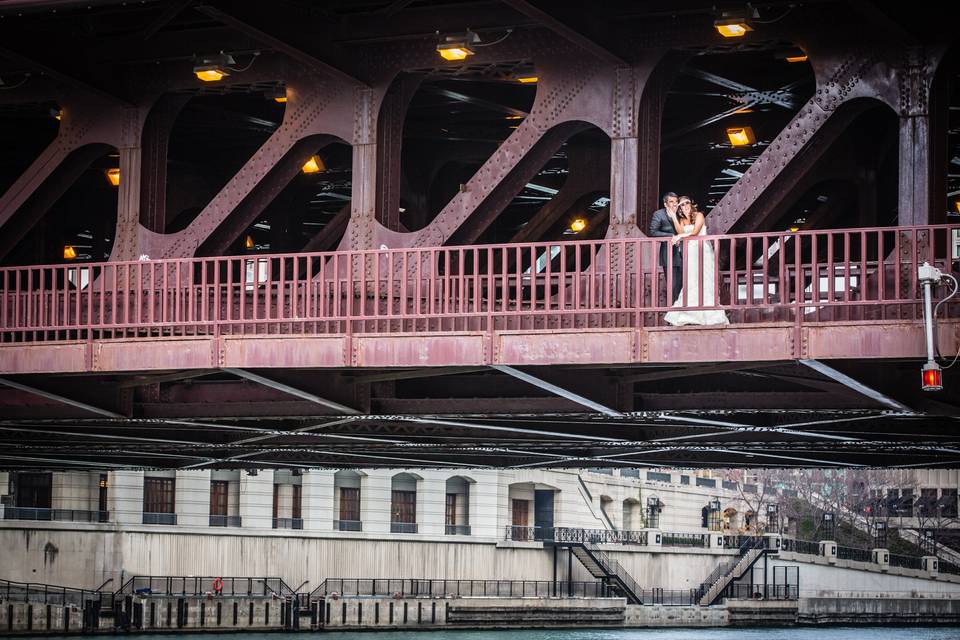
[600,565]
[750,550]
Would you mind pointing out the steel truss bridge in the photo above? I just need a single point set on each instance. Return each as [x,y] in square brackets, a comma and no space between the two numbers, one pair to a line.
[482,355]
[178,291]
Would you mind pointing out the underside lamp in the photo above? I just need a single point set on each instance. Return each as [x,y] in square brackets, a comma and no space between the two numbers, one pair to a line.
[69,253]
[457,47]
[733,24]
[528,79]
[213,68]
[314,165]
[248,242]
[113,175]
[741,136]
[578,225]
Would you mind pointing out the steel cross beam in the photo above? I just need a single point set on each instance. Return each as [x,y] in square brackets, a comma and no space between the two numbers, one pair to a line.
[279,386]
[566,31]
[859,387]
[279,45]
[62,78]
[552,388]
[49,395]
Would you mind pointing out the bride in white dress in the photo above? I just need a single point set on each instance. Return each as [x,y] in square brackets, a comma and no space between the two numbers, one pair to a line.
[691,222]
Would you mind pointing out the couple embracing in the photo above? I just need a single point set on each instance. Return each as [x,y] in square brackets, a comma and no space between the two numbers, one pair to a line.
[678,219]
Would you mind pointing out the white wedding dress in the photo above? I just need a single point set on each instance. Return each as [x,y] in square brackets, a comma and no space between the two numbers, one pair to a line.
[691,287]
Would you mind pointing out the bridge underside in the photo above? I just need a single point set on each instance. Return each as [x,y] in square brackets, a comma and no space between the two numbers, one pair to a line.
[760,414]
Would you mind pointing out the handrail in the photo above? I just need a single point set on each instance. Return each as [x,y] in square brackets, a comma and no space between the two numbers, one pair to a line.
[202,585]
[818,276]
[13,591]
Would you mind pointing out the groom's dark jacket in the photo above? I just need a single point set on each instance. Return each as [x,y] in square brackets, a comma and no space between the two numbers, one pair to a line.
[660,227]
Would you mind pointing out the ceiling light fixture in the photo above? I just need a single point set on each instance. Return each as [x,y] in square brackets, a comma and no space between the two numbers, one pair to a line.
[578,225]
[528,79]
[457,47]
[314,165]
[113,175]
[214,67]
[734,24]
[69,253]
[741,136]
[248,242]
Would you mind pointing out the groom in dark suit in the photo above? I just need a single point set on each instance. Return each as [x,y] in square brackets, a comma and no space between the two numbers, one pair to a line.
[661,226]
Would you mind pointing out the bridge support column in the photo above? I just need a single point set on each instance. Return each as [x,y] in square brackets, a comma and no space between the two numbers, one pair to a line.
[881,557]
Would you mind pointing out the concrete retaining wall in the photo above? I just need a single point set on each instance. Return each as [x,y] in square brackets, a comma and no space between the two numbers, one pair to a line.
[384,613]
[21,617]
[87,556]
[877,611]
[666,616]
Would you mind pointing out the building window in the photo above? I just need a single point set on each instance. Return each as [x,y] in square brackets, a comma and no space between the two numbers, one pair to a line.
[349,504]
[158,495]
[218,497]
[34,490]
[102,487]
[404,509]
[451,512]
[657,476]
[706,482]
[295,508]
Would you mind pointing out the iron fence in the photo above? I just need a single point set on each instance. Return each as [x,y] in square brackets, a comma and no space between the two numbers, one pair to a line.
[68,515]
[599,536]
[806,547]
[807,276]
[759,591]
[225,521]
[159,518]
[39,593]
[457,529]
[949,567]
[857,555]
[683,540]
[906,562]
[439,588]
[204,585]
[288,523]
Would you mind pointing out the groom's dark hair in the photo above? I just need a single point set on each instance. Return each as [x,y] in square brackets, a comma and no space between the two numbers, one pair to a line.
[668,194]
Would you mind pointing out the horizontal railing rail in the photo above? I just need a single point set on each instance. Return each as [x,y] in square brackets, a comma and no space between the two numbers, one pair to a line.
[11,591]
[669,539]
[457,529]
[67,515]
[203,585]
[403,527]
[225,521]
[857,555]
[760,591]
[806,547]
[949,567]
[159,518]
[599,536]
[440,588]
[288,523]
[906,562]
[347,525]
[809,276]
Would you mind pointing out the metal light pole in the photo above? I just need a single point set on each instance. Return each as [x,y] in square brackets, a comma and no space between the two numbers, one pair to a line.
[931,374]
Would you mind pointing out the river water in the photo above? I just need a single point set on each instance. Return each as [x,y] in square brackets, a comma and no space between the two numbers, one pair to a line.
[765,633]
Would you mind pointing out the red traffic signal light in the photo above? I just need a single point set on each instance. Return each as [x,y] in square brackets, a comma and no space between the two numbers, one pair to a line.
[932,377]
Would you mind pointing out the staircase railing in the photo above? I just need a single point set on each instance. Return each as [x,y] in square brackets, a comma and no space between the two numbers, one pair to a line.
[748,550]
[616,571]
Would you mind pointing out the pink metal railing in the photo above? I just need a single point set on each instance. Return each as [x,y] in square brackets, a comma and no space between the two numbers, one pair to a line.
[811,276]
